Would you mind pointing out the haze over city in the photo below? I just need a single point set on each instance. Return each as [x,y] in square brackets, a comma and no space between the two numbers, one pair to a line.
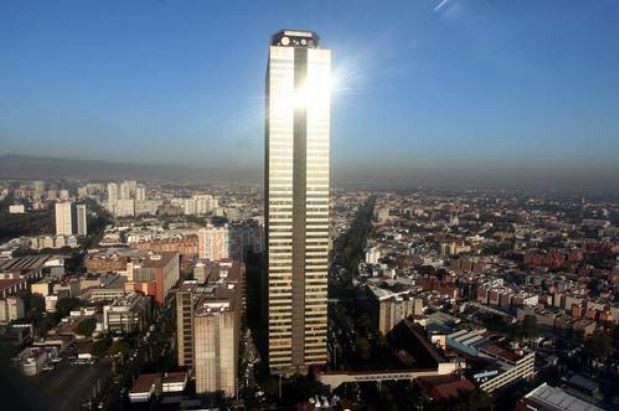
[446,93]
[311,206]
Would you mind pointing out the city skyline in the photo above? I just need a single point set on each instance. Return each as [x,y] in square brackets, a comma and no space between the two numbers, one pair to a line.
[436,92]
[316,206]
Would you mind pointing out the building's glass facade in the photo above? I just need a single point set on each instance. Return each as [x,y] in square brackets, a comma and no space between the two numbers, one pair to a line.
[297,199]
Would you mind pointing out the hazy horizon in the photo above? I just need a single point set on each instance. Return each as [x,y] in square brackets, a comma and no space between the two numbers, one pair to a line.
[443,93]
[31,167]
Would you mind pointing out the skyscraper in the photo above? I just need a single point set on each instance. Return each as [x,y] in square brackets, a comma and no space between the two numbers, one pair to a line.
[297,199]
[64,221]
[82,220]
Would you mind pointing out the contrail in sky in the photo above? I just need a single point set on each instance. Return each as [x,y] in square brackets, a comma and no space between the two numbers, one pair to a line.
[440,5]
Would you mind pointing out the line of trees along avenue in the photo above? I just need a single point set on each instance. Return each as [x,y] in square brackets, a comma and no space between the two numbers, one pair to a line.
[350,245]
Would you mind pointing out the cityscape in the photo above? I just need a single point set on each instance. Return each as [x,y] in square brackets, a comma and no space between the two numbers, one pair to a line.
[280,277]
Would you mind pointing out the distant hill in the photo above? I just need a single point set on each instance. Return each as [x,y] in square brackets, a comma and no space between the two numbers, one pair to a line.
[31,167]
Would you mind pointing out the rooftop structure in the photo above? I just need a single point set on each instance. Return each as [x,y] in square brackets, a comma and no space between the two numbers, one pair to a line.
[547,398]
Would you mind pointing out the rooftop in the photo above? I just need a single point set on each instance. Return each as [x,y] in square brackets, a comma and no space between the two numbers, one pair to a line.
[26,263]
[158,260]
[445,387]
[144,383]
[552,398]
[295,38]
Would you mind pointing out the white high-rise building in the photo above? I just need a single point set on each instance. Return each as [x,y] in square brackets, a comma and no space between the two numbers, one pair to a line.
[112,192]
[189,206]
[127,189]
[112,197]
[214,243]
[204,203]
[297,199]
[124,208]
[140,193]
[64,220]
[82,219]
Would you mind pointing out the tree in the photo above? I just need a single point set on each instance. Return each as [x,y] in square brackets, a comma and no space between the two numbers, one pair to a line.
[529,327]
[271,386]
[364,347]
[86,327]
[118,347]
[493,322]
[46,324]
[472,401]
[441,273]
[65,305]
[35,303]
[598,344]
[100,347]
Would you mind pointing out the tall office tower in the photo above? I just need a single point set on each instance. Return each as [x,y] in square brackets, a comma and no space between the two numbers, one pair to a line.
[214,243]
[82,220]
[297,199]
[140,193]
[64,221]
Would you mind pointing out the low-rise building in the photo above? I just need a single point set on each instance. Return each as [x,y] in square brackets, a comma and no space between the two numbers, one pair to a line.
[29,267]
[42,287]
[154,275]
[17,209]
[31,361]
[393,303]
[547,398]
[501,364]
[11,309]
[11,286]
[126,314]
[148,384]
[50,303]
[106,287]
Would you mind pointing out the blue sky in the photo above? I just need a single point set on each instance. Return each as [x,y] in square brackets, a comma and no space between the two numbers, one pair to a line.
[486,86]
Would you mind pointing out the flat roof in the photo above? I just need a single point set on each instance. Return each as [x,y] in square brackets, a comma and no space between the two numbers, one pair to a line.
[173,377]
[144,383]
[583,382]
[554,398]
